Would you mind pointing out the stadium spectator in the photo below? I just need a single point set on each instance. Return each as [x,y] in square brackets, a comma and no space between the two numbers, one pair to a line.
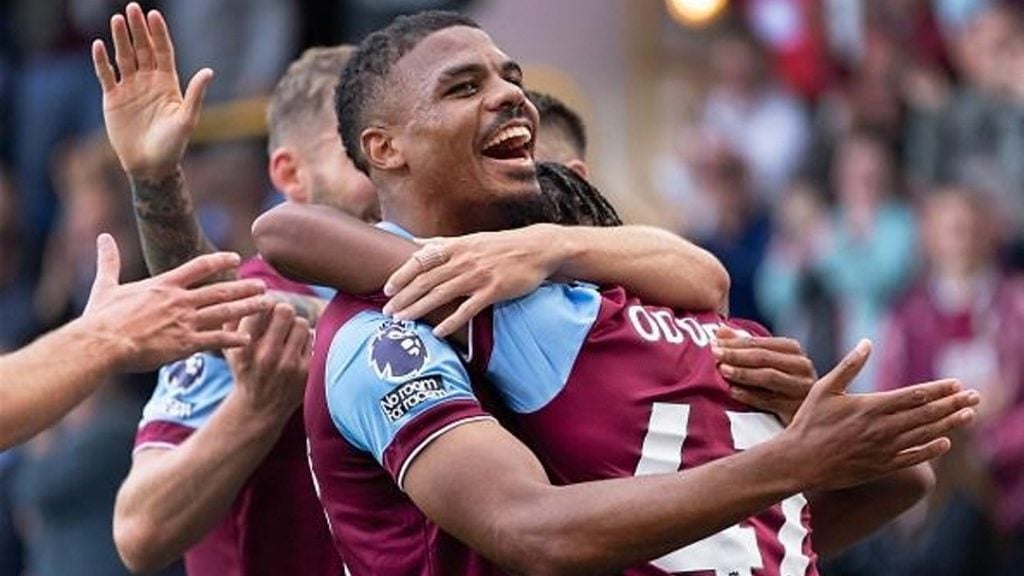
[869,255]
[742,227]
[788,285]
[965,318]
[764,125]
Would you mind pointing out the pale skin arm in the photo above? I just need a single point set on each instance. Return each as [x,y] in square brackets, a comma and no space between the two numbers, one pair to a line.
[173,497]
[130,327]
[149,122]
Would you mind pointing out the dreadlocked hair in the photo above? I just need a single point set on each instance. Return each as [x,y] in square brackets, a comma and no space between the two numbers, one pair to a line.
[573,200]
[366,73]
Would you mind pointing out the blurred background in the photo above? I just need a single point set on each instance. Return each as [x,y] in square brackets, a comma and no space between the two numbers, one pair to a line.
[858,165]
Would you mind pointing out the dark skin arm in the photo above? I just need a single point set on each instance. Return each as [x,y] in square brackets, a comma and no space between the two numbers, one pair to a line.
[840,517]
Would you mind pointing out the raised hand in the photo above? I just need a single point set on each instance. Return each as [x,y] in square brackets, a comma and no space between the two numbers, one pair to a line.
[485,268]
[162,319]
[148,119]
[768,373]
[851,438]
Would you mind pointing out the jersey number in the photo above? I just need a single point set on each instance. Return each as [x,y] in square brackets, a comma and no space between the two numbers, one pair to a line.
[733,551]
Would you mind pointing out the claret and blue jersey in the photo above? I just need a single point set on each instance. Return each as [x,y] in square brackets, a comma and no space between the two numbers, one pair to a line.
[597,384]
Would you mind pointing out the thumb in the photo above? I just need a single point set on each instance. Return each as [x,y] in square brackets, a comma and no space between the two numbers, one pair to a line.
[839,378]
[194,94]
[108,266]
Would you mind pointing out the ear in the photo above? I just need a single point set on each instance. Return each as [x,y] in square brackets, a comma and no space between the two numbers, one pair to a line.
[379,147]
[578,166]
[288,174]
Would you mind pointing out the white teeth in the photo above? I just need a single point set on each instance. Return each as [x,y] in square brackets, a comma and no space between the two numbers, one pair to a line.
[508,133]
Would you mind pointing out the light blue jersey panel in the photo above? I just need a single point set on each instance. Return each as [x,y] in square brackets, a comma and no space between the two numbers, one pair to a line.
[381,374]
[188,391]
[536,341]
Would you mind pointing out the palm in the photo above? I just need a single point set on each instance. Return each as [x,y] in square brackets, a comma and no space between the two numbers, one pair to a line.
[148,119]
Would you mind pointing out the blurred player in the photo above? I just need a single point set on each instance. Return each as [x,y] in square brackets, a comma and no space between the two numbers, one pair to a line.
[561,135]
[391,405]
[219,471]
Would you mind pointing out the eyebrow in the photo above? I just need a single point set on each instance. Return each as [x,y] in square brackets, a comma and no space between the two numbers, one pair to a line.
[508,67]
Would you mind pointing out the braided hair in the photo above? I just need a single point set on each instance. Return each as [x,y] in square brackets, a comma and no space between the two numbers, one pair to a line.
[572,201]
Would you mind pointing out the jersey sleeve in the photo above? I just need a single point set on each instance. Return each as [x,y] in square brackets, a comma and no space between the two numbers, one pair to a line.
[393,387]
[531,343]
[187,393]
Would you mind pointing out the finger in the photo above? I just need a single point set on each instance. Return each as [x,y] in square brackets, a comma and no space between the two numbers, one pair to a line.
[918,454]
[774,343]
[419,287]
[839,378]
[255,324]
[163,48]
[462,316]
[221,292]
[295,343]
[194,94]
[218,340]
[723,332]
[140,37]
[768,379]
[108,263]
[101,64]
[937,409]
[273,339]
[929,432]
[914,396]
[755,398]
[400,278]
[220,314]
[124,54]
[788,362]
[436,298]
[201,268]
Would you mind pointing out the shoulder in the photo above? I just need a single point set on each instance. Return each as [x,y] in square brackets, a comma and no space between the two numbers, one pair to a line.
[258,268]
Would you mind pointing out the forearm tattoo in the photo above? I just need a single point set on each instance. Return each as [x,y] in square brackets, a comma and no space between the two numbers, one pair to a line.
[168,227]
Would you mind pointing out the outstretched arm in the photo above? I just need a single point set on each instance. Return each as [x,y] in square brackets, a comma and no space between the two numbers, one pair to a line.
[499,501]
[130,327]
[149,122]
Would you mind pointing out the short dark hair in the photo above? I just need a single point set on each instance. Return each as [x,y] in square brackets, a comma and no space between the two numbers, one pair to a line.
[572,200]
[555,113]
[362,80]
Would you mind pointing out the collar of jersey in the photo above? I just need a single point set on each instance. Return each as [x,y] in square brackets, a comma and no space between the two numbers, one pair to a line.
[395,229]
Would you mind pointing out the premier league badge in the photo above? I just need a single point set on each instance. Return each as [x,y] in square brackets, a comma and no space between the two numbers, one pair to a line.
[397,352]
[183,374]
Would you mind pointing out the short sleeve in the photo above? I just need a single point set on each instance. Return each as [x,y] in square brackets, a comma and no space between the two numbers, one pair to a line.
[393,387]
[187,393]
[534,342]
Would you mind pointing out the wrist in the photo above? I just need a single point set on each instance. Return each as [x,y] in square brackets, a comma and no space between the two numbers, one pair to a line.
[109,349]
[153,174]
[257,416]
[561,247]
[790,466]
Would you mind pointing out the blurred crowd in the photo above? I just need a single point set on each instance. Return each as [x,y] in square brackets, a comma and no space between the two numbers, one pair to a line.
[857,165]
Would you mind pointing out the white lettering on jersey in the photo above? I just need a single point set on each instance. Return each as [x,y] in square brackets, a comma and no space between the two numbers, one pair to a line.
[662,326]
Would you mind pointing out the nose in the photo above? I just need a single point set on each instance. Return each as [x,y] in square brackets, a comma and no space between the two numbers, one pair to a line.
[506,95]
